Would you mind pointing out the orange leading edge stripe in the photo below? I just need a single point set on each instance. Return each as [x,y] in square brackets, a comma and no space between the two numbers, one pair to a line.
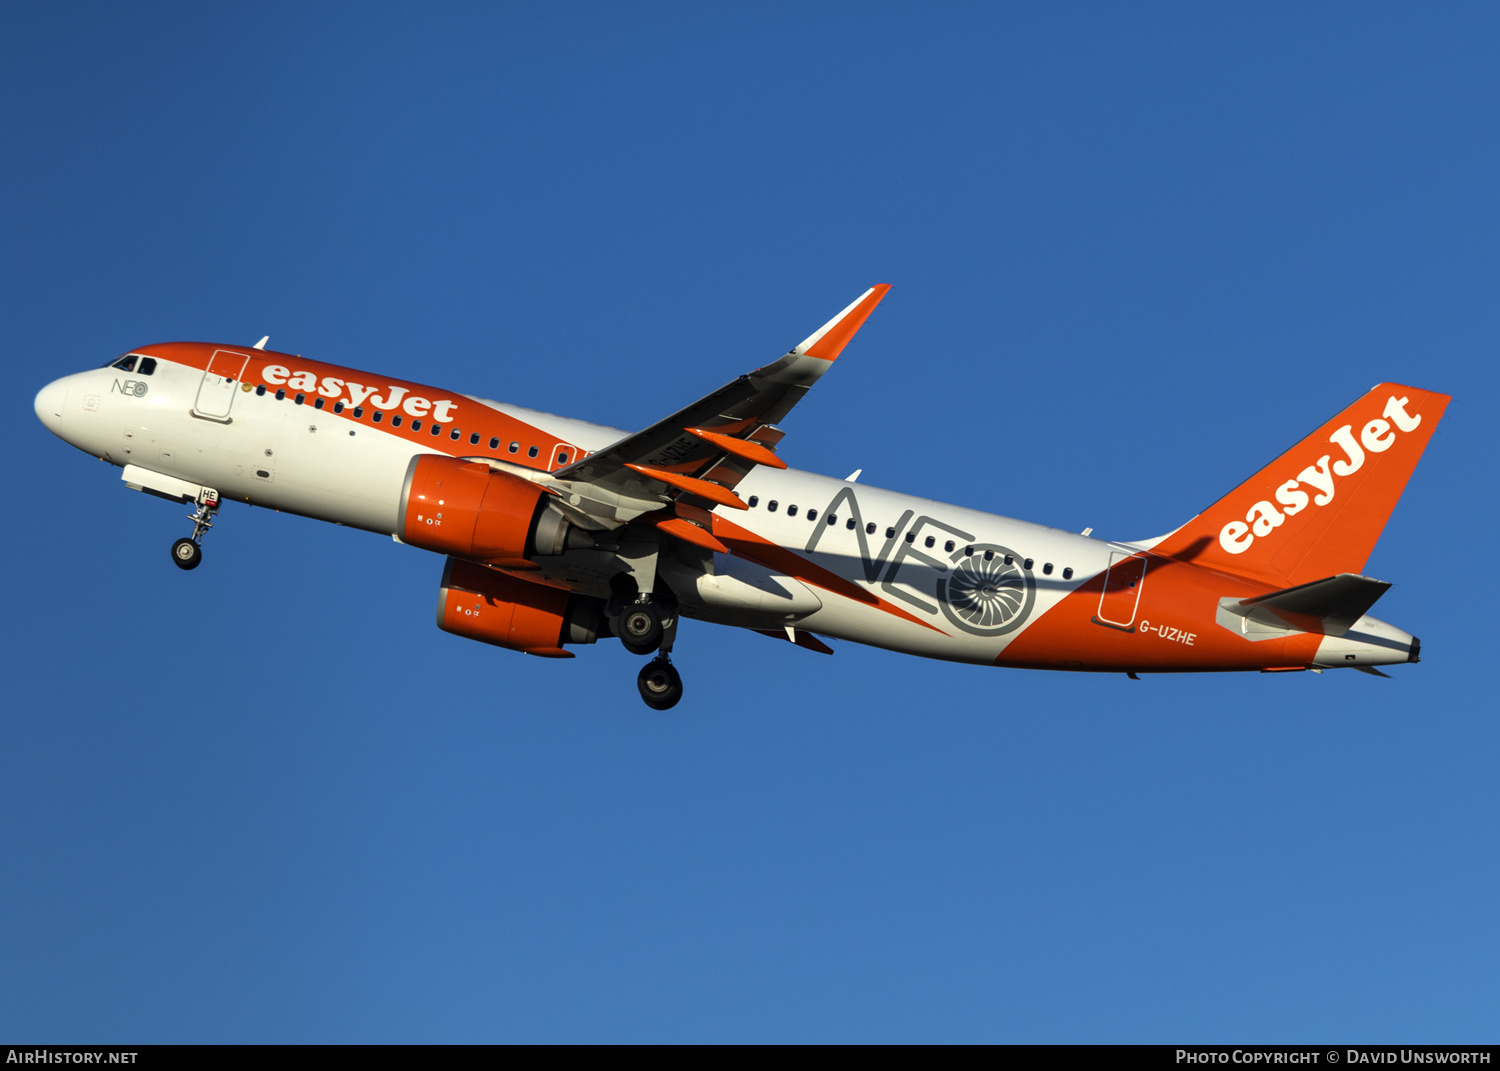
[831,342]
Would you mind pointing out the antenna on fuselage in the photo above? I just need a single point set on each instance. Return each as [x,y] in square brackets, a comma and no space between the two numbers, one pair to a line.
[262,343]
[853,476]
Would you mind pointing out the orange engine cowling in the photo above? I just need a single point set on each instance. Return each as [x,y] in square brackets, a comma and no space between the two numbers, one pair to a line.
[466,509]
[485,604]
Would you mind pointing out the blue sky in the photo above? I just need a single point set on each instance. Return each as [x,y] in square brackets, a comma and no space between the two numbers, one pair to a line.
[1138,250]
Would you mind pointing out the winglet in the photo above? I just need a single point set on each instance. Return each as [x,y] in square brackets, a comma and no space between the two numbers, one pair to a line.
[829,340]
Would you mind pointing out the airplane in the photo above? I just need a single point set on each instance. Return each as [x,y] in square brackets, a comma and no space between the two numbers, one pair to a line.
[557,533]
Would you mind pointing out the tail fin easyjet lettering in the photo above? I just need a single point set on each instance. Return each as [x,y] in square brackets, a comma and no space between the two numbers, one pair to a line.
[1318,509]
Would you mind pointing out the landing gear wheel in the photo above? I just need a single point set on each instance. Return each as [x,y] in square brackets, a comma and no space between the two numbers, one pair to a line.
[660,685]
[186,554]
[641,628]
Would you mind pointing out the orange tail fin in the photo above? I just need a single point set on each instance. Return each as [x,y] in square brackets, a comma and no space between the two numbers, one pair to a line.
[1318,509]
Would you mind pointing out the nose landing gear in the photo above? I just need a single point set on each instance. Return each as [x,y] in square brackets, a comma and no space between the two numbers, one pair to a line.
[187,553]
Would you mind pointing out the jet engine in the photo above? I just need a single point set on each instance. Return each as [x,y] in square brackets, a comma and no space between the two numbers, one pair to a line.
[468,510]
[485,604]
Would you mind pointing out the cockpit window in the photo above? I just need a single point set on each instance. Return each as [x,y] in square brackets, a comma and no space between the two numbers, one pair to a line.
[126,363]
[148,366]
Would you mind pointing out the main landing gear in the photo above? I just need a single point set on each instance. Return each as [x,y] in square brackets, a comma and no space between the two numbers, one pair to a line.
[187,553]
[660,683]
[646,625]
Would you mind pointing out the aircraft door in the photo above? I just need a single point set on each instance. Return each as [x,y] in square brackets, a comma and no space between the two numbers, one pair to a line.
[1123,582]
[220,381]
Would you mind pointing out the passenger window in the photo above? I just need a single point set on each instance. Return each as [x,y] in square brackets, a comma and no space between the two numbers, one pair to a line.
[754,501]
[832,519]
[359,411]
[474,439]
[437,429]
[494,443]
[870,528]
[989,555]
[260,392]
[377,416]
[396,421]
[911,537]
[1008,560]
[416,425]
[791,511]
[849,524]
[771,506]
[1028,563]
[1047,569]
[562,458]
[454,434]
[513,447]
[930,541]
[319,405]
[338,407]
[812,514]
[890,533]
[300,399]
[280,393]
[948,546]
[1068,573]
[531,451]
[148,366]
[126,364]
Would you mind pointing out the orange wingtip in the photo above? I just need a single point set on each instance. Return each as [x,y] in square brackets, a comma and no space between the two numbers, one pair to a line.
[691,533]
[702,488]
[750,451]
[830,339]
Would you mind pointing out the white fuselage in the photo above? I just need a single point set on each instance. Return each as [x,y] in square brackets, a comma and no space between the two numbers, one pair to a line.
[899,551]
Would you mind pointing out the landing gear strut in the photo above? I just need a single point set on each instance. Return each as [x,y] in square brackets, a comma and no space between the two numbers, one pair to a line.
[646,625]
[187,553]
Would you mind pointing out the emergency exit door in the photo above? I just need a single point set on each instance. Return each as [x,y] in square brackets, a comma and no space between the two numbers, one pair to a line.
[1121,596]
[220,382]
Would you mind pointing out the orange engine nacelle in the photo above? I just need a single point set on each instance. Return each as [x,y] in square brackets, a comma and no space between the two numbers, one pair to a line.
[484,604]
[466,509]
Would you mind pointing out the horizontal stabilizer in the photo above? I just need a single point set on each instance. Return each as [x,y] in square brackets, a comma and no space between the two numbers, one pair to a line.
[1329,606]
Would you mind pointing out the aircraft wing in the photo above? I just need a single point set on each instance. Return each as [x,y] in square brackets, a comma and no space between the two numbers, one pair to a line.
[697,455]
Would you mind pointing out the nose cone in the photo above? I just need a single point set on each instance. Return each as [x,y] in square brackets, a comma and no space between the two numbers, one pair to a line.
[49,405]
